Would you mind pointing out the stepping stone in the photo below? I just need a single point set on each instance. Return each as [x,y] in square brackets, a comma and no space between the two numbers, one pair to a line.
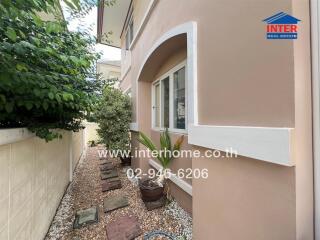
[111,185]
[112,179]
[123,228]
[106,167]
[160,234]
[155,204]
[106,162]
[113,203]
[86,217]
[109,174]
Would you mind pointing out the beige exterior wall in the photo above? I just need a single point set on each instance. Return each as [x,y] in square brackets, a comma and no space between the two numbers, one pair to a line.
[243,80]
[139,10]
[108,71]
[33,178]
[77,147]
[91,132]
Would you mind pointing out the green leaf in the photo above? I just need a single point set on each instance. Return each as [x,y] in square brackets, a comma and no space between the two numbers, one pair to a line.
[58,98]
[37,20]
[51,95]
[11,34]
[9,107]
[36,92]
[3,98]
[45,105]
[36,41]
[20,67]
[70,4]
[67,96]
[29,105]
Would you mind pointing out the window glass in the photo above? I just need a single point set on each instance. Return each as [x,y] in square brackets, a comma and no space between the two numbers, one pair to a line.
[156,106]
[169,99]
[165,102]
[127,41]
[131,31]
[179,98]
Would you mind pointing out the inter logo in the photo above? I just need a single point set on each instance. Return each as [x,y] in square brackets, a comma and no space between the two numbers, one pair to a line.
[282,26]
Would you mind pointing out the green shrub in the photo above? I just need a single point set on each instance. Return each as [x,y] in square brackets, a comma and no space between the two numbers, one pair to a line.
[47,78]
[113,115]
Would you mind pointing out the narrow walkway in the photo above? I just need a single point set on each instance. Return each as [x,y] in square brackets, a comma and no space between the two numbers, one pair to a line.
[85,191]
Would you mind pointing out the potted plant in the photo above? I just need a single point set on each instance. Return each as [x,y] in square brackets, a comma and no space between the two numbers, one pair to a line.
[153,189]
[92,143]
[126,160]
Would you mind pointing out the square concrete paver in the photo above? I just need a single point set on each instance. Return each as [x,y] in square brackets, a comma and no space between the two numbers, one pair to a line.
[102,162]
[106,167]
[109,174]
[123,228]
[86,217]
[115,202]
[155,204]
[111,185]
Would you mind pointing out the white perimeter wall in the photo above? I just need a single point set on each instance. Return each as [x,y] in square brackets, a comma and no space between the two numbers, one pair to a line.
[33,178]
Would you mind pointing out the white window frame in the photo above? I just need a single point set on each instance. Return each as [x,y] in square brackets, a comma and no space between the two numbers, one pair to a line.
[170,74]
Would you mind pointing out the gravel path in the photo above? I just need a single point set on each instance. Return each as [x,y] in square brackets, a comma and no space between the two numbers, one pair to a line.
[85,191]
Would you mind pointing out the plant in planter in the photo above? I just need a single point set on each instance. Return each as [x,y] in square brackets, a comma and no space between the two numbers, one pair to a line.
[92,143]
[113,114]
[153,189]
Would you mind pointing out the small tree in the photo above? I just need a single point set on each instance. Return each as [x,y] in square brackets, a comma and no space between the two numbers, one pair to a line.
[47,79]
[113,115]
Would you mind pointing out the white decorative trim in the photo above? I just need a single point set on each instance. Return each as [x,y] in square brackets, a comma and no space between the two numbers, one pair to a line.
[264,143]
[12,135]
[189,28]
[315,41]
[178,181]
[143,22]
[134,127]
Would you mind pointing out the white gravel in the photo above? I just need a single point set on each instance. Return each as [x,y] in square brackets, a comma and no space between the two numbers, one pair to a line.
[180,215]
[62,222]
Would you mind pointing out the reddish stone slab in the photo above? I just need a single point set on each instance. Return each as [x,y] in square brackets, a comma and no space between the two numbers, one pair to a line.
[111,185]
[124,228]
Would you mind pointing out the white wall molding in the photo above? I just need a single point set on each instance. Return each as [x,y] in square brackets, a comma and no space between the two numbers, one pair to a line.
[263,143]
[315,41]
[189,28]
[134,127]
[178,181]
[12,135]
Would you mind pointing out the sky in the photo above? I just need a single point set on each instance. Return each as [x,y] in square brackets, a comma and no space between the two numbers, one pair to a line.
[90,22]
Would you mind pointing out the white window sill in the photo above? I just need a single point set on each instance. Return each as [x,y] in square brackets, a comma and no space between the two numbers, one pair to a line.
[171,130]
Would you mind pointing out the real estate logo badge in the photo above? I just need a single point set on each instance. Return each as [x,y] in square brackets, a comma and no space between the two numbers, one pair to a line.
[282,26]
